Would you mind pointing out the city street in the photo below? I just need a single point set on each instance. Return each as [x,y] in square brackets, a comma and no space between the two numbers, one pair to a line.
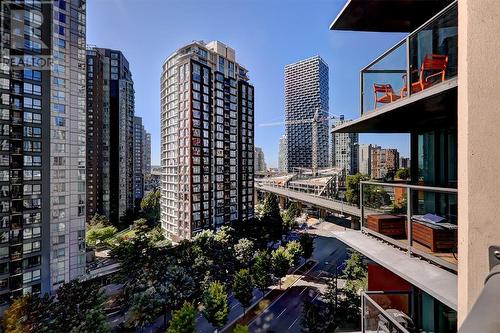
[285,313]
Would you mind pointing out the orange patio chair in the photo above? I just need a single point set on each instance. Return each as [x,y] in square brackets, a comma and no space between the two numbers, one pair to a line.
[388,96]
[432,70]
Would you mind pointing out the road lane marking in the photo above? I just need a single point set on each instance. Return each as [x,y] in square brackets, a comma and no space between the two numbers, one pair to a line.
[294,322]
[280,296]
[281,313]
[303,290]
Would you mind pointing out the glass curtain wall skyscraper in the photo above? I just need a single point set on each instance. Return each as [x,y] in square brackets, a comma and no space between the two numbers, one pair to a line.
[306,93]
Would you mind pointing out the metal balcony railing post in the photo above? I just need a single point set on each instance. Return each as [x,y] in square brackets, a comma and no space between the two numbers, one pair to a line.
[361,97]
[361,206]
[408,219]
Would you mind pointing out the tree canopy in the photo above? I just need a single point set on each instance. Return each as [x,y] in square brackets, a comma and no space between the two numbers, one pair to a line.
[215,304]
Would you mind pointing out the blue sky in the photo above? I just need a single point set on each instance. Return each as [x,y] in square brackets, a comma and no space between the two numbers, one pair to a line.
[266,34]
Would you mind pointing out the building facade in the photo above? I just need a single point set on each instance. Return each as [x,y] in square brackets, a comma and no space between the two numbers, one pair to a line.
[306,94]
[207,119]
[260,162]
[42,158]
[344,146]
[404,162]
[138,161]
[283,155]
[384,161]
[110,98]
[411,260]
[147,152]
[365,159]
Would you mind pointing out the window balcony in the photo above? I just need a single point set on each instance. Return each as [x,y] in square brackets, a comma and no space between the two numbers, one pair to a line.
[421,220]
[426,58]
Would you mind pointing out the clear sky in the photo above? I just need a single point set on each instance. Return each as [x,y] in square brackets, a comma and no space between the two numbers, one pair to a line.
[266,34]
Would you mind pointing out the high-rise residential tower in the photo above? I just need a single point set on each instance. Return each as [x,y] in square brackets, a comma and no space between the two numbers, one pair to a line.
[384,161]
[364,159]
[147,152]
[207,119]
[282,155]
[306,94]
[138,161]
[260,162]
[110,117]
[42,158]
[344,147]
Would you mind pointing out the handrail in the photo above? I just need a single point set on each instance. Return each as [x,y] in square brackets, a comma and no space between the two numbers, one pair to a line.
[483,317]
[365,296]
[413,187]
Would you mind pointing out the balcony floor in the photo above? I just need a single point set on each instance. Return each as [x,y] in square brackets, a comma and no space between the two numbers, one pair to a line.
[437,282]
[433,107]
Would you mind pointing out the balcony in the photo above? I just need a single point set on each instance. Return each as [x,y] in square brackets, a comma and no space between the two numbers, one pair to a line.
[386,312]
[420,220]
[423,60]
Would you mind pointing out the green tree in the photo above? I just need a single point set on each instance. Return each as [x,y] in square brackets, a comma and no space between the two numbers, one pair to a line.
[316,319]
[270,207]
[294,210]
[403,173]
[79,304]
[294,251]
[144,309]
[375,196]
[243,288]
[280,262]
[150,205]
[244,252]
[29,314]
[261,270]
[176,287]
[271,218]
[352,187]
[342,305]
[215,304]
[95,322]
[183,320]
[99,220]
[355,273]
[241,329]
[96,235]
[307,244]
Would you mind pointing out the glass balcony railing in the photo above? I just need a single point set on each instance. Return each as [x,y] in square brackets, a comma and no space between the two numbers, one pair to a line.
[419,219]
[386,312]
[426,57]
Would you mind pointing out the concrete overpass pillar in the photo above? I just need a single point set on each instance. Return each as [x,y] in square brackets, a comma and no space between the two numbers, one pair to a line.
[282,202]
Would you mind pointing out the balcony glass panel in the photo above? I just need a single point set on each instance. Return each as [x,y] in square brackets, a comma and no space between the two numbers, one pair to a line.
[384,80]
[386,313]
[433,51]
[433,216]
[429,55]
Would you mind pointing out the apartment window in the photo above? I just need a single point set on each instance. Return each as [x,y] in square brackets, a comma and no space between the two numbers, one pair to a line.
[30,117]
[31,276]
[59,253]
[32,103]
[33,89]
[32,75]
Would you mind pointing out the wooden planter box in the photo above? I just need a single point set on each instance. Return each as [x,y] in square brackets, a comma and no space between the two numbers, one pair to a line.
[433,238]
[386,224]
